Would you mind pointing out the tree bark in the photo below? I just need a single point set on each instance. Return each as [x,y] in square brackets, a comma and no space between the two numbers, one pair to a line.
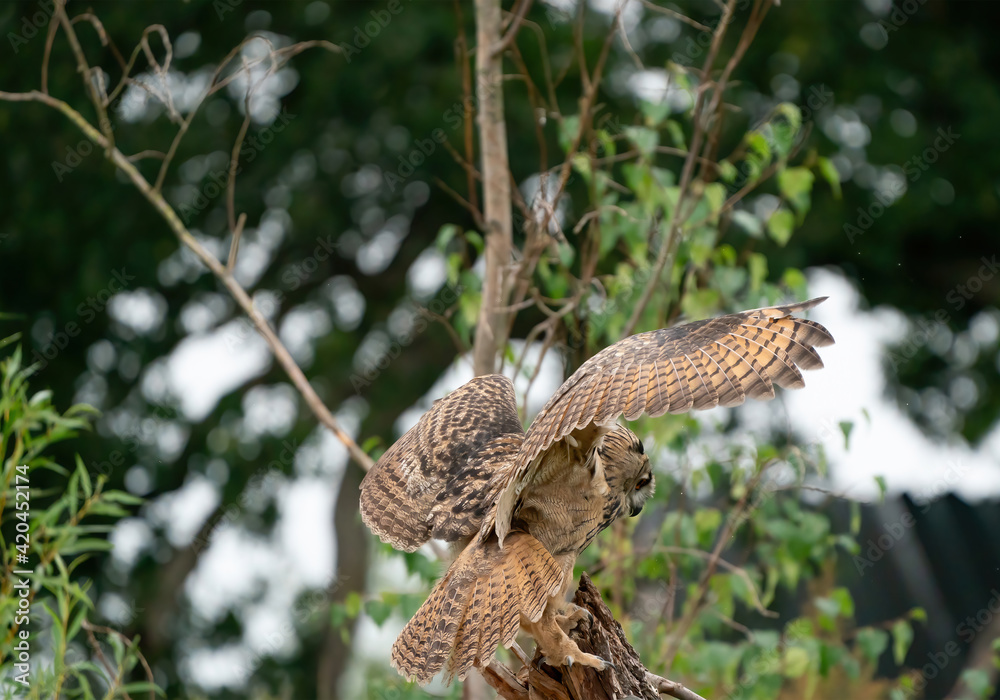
[491,328]
[352,566]
[604,637]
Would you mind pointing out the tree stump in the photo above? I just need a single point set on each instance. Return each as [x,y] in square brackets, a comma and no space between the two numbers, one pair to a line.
[605,637]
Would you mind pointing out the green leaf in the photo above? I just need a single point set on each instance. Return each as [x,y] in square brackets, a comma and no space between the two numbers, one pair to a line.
[829,172]
[581,163]
[846,427]
[352,604]
[378,610]
[794,662]
[142,687]
[88,487]
[701,303]
[131,500]
[72,495]
[476,241]
[784,127]
[338,615]
[87,544]
[715,196]
[654,112]
[780,225]
[676,134]
[74,625]
[445,234]
[468,306]
[844,600]
[902,637]
[9,339]
[727,172]
[757,265]
[872,642]
[730,280]
[749,223]
[645,139]
[568,130]
[41,397]
[796,281]
[758,154]
[795,184]
[855,517]
[977,680]
[882,488]
[609,238]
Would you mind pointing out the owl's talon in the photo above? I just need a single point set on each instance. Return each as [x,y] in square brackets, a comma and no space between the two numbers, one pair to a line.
[571,620]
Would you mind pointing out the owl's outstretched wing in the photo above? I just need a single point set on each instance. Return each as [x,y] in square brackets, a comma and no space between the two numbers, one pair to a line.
[442,477]
[716,362]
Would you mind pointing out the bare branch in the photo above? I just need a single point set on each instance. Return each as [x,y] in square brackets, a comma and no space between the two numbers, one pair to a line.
[234,247]
[161,205]
[672,688]
[515,25]
[49,39]
[84,68]
[91,628]
[676,15]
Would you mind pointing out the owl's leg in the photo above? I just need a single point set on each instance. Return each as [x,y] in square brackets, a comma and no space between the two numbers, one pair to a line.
[571,617]
[556,646]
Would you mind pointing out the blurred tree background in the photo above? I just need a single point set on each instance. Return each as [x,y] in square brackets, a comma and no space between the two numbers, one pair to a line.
[902,98]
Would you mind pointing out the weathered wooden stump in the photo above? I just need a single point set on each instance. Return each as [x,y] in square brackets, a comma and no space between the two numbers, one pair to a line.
[604,637]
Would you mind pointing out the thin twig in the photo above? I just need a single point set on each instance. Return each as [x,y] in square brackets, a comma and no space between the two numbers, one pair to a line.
[84,68]
[87,625]
[515,26]
[462,57]
[671,688]
[628,45]
[676,15]
[477,217]
[234,161]
[49,39]
[147,154]
[234,247]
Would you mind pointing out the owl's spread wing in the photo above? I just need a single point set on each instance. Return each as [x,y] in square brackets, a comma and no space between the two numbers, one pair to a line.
[444,474]
[716,362]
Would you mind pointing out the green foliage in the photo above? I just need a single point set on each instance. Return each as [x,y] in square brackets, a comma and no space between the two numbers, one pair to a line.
[47,534]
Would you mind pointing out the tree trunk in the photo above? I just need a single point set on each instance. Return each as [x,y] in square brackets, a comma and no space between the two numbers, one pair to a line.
[491,328]
[352,565]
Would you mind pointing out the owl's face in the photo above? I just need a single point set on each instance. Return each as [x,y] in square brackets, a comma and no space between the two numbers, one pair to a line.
[627,468]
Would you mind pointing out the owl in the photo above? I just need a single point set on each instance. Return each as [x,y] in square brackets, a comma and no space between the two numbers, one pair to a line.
[520,507]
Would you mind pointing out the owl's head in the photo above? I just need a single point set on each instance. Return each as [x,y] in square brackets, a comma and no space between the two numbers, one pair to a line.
[626,467]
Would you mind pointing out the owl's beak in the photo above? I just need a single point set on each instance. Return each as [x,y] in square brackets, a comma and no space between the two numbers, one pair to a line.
[635,510]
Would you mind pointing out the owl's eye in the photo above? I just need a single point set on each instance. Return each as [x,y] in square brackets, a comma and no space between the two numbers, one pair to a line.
[643,482]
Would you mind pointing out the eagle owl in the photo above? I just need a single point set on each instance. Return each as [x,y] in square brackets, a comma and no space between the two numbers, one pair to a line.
[521,506]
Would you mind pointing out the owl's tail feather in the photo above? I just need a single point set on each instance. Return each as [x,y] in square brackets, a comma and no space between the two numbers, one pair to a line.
[476,607]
